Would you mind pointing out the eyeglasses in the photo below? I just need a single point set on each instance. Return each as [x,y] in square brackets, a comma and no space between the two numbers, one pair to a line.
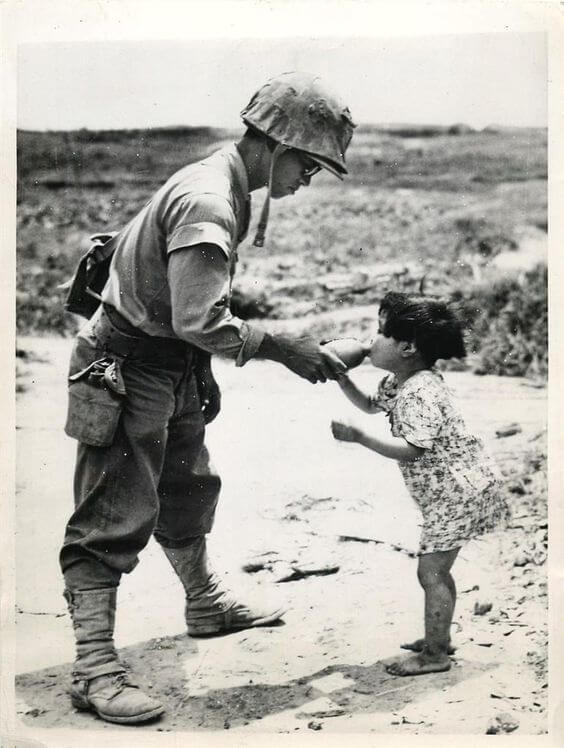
[309,166]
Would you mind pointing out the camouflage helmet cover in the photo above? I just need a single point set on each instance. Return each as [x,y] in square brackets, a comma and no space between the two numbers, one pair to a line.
[298,111]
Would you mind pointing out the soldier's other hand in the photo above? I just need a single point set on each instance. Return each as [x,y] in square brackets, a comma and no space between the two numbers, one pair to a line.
[208,389]
[211,405]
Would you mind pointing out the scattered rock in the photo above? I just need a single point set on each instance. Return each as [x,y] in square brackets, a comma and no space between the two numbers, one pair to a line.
[301,572]
[502,696]
[509,430]
[502,723]
[517,487]
[480,609]
[358,539]
[475,588]
[539,558]
[282,572]
[521,559]
[313,725]
[329,713]
[162,644]
[36,712]
[260,562]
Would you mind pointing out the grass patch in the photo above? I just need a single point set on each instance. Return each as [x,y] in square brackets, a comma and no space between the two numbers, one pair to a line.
[509,325]
[420,198]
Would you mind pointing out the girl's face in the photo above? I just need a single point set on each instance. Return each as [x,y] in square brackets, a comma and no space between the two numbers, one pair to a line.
[385,351]
[292,170]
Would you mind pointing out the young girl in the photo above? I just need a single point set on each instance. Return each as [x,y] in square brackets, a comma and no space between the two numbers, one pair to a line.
[444,467]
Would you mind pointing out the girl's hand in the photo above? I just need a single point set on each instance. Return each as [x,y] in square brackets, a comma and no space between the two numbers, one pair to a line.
[344,432]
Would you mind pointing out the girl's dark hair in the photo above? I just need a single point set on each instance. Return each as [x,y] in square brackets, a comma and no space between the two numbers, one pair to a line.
[432,325]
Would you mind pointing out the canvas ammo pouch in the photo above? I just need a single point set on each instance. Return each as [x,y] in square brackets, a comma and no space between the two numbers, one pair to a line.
[84,289]
[96,395]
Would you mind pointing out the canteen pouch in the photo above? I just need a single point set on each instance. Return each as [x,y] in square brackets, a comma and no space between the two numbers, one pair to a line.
[96,396]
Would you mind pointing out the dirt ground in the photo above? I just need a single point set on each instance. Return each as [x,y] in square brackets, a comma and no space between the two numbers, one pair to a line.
[326,529]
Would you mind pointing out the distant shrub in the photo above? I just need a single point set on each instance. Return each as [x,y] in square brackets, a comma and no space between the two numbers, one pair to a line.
[509,324]
[39,302]
[75,155]
[460,129]
[71,185]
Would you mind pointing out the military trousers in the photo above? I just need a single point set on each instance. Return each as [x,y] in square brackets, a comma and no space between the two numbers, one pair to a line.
[142,467]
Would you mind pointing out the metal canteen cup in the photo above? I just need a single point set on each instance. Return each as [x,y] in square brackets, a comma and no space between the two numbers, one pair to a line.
[350,350]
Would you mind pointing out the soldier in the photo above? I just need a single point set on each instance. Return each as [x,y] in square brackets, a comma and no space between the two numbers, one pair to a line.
[141,389]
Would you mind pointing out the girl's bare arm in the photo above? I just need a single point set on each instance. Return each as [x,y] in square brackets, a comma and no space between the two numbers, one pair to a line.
[394,447]
[361,399]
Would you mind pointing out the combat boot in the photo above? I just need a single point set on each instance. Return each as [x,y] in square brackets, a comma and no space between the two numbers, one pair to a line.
[210,607]
[99,681]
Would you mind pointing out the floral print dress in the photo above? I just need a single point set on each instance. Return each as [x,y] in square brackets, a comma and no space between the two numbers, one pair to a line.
[455,482]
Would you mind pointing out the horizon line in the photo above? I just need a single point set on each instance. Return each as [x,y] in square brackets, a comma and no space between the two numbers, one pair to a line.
[227,129]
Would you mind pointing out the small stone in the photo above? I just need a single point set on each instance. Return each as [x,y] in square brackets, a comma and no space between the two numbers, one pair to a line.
[509,430]
[480,609]
[521,560]
[313,725]
[539,558]
[329,713]
[502,723]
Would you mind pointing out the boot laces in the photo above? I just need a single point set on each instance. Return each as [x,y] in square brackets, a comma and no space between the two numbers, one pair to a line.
[119,682]
[123,679]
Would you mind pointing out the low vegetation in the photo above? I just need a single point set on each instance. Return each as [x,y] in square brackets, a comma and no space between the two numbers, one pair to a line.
[509,325]
[436,204]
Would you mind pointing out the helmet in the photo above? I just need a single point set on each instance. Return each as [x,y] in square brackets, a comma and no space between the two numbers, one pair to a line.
[298,111]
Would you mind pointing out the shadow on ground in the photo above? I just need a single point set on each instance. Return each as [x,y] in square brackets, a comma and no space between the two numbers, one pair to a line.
[42,700]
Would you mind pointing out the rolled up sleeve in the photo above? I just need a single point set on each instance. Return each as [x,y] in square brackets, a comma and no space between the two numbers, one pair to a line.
[203,232]
[199,281]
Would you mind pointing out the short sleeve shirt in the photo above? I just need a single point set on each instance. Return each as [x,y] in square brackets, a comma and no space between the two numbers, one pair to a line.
[204,203]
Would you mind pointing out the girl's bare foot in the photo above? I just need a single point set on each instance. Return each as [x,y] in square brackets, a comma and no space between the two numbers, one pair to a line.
[419,644]
[419,664]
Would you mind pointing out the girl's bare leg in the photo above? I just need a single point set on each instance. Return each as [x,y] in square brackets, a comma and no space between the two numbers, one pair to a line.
[419,644]
[440,597]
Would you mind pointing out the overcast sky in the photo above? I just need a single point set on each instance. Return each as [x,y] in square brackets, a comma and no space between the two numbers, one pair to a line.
[476,78]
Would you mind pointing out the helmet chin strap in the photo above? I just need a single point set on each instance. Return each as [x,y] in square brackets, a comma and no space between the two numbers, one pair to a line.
[263,220]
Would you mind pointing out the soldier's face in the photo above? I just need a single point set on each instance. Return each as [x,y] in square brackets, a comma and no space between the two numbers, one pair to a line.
[292,170]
